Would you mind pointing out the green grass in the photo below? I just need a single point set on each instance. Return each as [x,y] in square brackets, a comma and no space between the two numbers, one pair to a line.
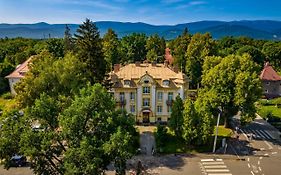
[263,110]
[177,145]
[223,132]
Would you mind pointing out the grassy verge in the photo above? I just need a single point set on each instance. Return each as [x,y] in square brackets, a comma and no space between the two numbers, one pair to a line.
[177,145]
[264,110]
[7,104]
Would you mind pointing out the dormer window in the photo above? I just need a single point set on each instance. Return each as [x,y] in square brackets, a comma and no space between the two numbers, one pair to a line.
[127,82]
[166,82]
[146,81]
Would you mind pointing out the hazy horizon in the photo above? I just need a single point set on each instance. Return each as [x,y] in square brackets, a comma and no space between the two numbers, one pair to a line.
[158,12]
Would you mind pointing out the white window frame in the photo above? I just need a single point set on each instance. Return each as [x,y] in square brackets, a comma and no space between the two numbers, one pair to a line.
[146,102]
[146,90]
[158,95]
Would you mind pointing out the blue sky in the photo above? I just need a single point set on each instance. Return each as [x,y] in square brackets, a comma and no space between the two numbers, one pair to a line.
[149,11]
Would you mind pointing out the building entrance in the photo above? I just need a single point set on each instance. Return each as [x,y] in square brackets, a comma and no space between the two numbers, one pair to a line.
[145,117]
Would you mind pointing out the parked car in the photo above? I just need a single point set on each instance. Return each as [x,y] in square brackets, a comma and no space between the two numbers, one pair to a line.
[18,161]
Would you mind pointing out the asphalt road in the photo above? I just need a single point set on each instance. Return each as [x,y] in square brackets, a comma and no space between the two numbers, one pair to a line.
[264,148]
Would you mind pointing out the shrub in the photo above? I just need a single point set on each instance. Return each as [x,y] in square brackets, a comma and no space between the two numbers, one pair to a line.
[161,136]
[7,95]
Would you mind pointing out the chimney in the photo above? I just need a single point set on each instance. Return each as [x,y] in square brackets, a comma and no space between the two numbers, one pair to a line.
[166,63]
[176,69]
[153,63]
[138,63]
[116,67]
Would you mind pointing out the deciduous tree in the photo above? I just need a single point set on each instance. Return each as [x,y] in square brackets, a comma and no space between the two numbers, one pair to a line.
[176,119]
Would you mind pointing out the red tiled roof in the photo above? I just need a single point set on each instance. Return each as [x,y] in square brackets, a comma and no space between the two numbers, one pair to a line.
[269,74]
[168,56]
[21,69]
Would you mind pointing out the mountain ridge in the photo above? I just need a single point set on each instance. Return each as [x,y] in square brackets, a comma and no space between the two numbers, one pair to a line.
[258,29]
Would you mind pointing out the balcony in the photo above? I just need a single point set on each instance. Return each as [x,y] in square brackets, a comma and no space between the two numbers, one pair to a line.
[169,102]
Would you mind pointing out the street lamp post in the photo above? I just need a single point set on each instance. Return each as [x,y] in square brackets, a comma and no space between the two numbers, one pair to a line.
[216,136]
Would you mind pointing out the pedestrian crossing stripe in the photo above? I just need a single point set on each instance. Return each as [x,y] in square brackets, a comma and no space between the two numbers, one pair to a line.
[258,133]
[212,163]
[214,167]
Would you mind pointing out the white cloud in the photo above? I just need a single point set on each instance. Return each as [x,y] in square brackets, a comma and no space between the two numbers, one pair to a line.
[190,4]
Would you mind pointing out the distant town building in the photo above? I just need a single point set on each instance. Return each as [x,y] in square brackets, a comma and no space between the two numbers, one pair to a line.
[147,90]
[18,74]
[271,82]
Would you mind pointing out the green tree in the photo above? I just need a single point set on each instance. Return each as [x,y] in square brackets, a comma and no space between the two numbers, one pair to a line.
[57,78]
[110,48]
[10,131]
[179,47]
[272,51]
[255,53]
[89,45]
[56,47]
[161,136]
[133,48]
[68,40]
[93,138]
[233,84]
[156,48]
[176,119]
[198,122]
[200,46]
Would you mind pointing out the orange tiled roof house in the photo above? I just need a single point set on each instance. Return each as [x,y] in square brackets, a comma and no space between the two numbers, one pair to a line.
[271,82]
[147,90]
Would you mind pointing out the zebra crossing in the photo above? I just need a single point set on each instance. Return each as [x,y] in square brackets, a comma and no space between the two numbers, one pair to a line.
[258,134]
[214,167]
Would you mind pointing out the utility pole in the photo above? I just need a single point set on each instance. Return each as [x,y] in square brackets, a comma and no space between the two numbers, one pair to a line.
[218,121]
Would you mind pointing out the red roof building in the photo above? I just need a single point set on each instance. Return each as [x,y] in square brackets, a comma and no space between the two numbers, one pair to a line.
[269,74]
[271,82]
[18,74]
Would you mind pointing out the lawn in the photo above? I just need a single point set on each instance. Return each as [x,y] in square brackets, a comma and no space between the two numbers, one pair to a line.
[176,145]
[264,110]
[6,104]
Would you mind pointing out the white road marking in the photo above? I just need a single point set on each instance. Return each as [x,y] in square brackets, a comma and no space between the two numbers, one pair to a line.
[207,160]
[249,165]
[215,166]
[259,162]
[217,170]
[274,153]
[252,173]
[261,158]
[259,168]
[269,146]
[212,163]
[248,159]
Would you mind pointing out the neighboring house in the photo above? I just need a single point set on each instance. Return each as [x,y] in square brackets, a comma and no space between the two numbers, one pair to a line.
[147,90]
[18,74]
[271,82]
